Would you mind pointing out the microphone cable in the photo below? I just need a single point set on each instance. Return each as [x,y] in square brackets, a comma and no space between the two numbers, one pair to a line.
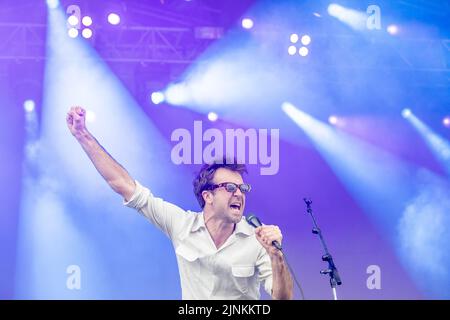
[293,275]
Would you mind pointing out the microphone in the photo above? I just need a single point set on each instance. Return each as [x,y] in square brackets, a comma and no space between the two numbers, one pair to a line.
[255,222]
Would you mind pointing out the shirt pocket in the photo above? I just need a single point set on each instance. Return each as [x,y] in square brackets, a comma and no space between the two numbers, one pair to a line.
[188,262]
[187,253]
[242,275]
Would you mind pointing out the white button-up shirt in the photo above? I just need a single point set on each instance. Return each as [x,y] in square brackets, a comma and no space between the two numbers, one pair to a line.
[233,271]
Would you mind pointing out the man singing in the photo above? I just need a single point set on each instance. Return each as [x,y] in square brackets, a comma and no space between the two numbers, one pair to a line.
[219,255]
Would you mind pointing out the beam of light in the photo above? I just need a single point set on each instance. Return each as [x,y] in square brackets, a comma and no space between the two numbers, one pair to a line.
[226,79]
[439,146]
[178,94]
[353,18]
[248,71]
[52,4]
[69,215]
[409,205]
[424,232]
[90,116]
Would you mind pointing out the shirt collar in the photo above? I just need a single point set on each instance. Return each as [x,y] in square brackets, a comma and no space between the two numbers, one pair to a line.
[242,227]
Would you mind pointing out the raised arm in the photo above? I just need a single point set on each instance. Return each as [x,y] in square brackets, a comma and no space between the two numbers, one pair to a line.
[113,173]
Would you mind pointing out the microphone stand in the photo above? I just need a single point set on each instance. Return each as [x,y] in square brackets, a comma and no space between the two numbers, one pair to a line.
[332,270]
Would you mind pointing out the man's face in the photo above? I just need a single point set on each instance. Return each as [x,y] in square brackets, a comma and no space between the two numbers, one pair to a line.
[228,205]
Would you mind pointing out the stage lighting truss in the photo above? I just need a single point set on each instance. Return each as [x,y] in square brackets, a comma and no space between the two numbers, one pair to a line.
[178,45]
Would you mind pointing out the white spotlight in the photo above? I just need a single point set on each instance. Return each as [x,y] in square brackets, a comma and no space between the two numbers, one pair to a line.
[114,18]
[212,116]
[392,29]
[292,50]
[87,21]
[294,38]
[72,20]
[303,51]
[306,39]
[86,33]
[73,33]
[29,105]
[157,97]
[247,23]
[406,113]
[333,120]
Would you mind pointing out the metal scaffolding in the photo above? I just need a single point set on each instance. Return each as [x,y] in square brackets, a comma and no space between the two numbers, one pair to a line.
[179,45]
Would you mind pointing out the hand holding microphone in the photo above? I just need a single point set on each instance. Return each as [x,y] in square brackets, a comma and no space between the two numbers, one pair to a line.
[269,236]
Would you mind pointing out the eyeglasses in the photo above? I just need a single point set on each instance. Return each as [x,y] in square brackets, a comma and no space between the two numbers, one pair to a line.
[232,187]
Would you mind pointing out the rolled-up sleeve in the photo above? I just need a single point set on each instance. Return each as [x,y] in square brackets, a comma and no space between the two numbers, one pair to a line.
[164,215]
[264,267]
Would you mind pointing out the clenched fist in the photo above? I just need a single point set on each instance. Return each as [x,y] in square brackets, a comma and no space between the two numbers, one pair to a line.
[267,234]
[76,121]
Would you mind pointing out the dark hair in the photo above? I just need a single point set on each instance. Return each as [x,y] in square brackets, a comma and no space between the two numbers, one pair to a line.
[204,178]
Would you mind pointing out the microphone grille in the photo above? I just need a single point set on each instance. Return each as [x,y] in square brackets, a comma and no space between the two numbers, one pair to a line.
[253,220]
